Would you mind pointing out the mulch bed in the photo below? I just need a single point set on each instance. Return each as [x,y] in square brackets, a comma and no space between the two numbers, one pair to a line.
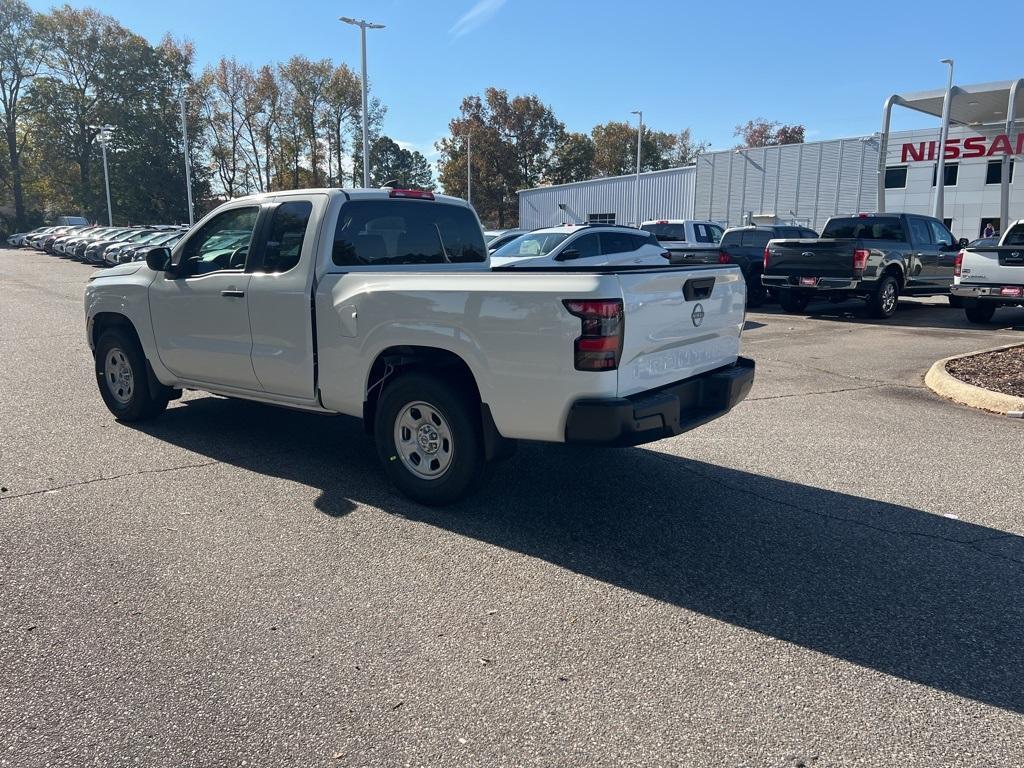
[1000,371]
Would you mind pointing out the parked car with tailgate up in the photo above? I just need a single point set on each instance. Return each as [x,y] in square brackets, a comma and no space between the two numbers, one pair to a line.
[381,304]
[986,277]
[876,257]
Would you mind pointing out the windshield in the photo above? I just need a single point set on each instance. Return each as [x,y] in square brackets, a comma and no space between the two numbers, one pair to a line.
[533,244]
[867,228]
[1015,236]
[665,232]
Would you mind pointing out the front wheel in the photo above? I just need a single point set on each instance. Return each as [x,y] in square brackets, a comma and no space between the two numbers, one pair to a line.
[980,313]
[429,436]
[882,303]
[122,377]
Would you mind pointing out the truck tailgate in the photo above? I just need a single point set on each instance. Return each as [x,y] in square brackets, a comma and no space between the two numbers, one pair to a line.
[679,323]
[811,258]
[994,265]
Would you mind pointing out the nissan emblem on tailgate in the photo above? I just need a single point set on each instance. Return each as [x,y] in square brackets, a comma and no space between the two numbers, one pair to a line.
[697,316]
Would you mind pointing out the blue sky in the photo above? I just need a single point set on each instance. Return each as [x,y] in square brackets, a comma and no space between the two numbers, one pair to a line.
[708,66]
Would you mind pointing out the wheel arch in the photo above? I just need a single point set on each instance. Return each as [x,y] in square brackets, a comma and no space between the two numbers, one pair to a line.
[396,360]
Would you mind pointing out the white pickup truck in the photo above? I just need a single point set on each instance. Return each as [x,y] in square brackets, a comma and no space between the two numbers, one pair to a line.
[688,241]
[988,277]
[380,304]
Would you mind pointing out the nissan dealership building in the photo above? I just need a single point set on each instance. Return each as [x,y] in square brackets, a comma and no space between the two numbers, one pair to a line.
[807,183]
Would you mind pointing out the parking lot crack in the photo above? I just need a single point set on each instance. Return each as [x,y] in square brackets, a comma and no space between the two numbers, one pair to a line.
[106,478]
[822,392]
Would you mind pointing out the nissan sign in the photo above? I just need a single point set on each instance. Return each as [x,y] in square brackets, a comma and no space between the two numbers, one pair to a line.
[975,146]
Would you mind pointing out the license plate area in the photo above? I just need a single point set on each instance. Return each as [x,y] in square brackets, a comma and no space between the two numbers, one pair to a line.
[810,282]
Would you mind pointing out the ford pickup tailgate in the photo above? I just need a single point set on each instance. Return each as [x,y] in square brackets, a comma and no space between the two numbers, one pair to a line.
[678,323]
[810,258]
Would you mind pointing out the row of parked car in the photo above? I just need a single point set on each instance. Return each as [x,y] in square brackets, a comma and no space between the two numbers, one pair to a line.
[102,246]
[876,257]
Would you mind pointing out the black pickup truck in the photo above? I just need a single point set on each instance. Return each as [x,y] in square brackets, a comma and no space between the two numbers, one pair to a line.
[876,257]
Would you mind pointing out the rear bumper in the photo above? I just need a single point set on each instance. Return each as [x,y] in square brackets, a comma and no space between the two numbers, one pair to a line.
[988,292]
[660,413]
[822,284]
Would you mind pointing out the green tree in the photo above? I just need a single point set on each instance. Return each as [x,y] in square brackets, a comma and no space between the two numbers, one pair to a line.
[310,82]
[513,141]
[572,160]
[404,168]
[20,59]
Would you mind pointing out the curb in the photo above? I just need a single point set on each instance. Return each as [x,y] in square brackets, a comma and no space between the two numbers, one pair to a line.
[944,384]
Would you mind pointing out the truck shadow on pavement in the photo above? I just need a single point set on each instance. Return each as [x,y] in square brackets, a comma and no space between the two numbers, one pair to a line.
[929,599]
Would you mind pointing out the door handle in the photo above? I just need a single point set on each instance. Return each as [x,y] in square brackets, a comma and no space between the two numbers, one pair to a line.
[233,294]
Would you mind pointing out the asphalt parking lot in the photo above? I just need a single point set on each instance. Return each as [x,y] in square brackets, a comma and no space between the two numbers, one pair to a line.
[829,576]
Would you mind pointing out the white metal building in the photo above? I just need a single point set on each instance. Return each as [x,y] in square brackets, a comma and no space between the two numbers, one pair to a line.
[809,182]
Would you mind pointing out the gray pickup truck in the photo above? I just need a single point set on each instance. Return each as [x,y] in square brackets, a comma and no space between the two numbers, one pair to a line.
[876,257]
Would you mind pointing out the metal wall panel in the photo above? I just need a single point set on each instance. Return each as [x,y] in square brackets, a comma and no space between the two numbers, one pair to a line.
[665,194]
[806,182]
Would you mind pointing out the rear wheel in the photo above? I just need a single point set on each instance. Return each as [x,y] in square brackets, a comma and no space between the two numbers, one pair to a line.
[756,293]
[123,378]
[429,436]
[882,303]
[980,313]
[793,302]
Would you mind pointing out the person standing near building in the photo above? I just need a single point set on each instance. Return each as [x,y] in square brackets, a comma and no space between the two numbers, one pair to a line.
[989,231]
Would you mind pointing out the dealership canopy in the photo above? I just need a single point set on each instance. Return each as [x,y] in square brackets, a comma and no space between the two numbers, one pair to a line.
[971,105]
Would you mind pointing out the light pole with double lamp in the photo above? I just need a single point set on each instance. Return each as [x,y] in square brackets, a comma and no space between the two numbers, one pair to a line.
[363,26]
[105,132]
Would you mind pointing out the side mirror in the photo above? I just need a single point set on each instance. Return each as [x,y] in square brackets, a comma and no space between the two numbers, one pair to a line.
[568,254]
[158,258]
[963,242]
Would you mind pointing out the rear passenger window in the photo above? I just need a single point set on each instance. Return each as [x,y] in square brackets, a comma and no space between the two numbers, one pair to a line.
[383,232]
[617,242]
[287,232]
[730,239]
[707,233]
[756,238]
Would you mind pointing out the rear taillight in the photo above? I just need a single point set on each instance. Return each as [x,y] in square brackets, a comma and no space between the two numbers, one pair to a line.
[958,263]
[724,258]
[599,345]
[860,259]
[767,258]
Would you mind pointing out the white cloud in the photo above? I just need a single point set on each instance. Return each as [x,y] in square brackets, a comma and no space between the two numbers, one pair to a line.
[475,17]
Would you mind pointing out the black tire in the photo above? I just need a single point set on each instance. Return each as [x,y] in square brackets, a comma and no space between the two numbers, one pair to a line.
[129,398]
[980,312]
[756,293]
[885,299]
[418,398]
[956,302]
[792,302]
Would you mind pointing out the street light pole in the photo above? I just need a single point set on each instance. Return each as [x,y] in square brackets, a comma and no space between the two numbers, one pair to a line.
[104,137]
[363,26]
[188,163]
[469,165]
[636,191]
[940,168]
